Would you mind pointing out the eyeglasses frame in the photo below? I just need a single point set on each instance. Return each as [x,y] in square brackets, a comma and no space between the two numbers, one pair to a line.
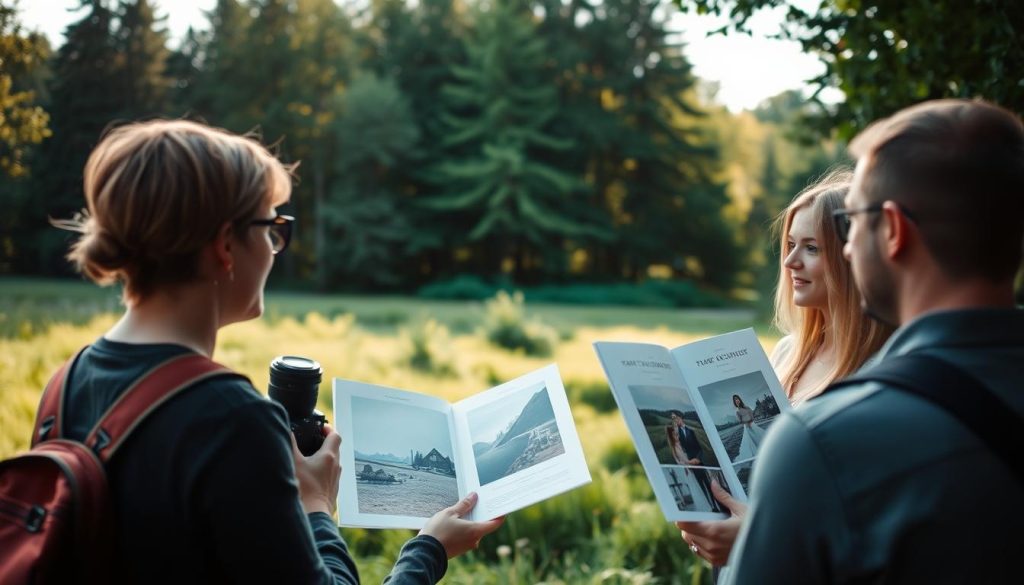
[841,218]
[283,225]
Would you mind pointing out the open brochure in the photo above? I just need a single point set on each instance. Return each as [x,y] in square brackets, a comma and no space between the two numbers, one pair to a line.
[697,413]
[407,455]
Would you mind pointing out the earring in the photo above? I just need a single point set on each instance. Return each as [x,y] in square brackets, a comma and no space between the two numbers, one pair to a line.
[231,271]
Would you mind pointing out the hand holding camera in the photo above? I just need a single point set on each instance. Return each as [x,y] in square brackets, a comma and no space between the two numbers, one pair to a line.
[294,384]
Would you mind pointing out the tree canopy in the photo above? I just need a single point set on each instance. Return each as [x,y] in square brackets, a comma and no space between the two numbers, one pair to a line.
[887,54]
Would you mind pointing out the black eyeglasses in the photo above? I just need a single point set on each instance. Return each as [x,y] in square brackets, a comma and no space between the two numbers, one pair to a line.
[842,218]
[280,231]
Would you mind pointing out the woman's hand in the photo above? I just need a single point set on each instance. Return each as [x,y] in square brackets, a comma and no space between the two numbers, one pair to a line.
[458,535]
[319,473]
[713,539]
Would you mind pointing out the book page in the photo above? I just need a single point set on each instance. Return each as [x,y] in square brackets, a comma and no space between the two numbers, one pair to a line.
[399,465]
[674,448]
[739,393]
[519,443]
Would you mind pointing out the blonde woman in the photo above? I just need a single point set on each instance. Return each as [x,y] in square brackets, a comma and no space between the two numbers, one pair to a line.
[210,487]
[816,303]
[817,306]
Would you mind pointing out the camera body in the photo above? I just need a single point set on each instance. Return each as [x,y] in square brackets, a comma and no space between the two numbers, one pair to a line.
[295,385]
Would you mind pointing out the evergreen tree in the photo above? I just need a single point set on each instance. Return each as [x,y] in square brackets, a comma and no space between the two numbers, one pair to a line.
[417,46]
[367,227]
[222,84]
[185,70]
[653,170]
[82,105]
[141,44]
[499,113]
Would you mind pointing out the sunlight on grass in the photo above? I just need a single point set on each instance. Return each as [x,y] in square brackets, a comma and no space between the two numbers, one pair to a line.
[610,531]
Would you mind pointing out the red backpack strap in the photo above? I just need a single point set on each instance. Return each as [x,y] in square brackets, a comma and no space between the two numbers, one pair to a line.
[147,394]
[50,416]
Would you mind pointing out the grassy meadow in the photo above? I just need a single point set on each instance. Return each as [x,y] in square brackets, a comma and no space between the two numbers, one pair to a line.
[608,532]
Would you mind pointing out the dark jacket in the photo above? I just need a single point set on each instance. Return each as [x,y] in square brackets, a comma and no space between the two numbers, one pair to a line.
[869,484]
[205,491]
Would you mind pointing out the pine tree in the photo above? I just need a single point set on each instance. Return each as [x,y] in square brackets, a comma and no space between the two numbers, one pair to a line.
[81,106]
[653,170]
[222,83]
[141,44]
[366,226]
[499,113]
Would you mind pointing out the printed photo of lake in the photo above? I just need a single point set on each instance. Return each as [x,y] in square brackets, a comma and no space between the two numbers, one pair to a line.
[513,434]
[403,457]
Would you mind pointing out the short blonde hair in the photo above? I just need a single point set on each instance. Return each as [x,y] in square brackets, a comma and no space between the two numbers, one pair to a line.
[843,325]
[157,192]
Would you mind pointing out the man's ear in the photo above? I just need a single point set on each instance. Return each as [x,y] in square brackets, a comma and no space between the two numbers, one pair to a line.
[896,229]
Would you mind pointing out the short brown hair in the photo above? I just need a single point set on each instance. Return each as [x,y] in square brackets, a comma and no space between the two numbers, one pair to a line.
[958,167]
[157,192]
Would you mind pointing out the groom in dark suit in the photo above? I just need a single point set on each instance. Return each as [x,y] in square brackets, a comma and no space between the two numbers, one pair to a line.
[695,456]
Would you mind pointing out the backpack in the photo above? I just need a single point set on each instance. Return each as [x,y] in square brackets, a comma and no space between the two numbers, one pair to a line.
[56,519]
[957,392]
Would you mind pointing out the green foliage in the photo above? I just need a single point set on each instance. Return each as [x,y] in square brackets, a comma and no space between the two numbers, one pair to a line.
[887,55]
[426,347]
[462,287]
[22,122]
[499,114]
[141,48]
[366,230]
[595,394]
[609,531]
[649,293]
[506,325]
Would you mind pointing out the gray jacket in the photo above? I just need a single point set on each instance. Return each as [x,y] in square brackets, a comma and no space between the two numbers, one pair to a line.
[873,485]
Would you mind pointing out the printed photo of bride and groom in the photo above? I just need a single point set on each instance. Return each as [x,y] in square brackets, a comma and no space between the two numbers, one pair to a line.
[681,445]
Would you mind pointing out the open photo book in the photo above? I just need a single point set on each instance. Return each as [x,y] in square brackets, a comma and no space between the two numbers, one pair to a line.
[697,413]
[407,455]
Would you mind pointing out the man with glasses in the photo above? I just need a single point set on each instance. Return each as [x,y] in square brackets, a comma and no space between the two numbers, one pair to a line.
[872,484]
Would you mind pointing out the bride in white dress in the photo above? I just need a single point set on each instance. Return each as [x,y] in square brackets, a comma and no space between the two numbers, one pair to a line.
[700,500]
[752,433]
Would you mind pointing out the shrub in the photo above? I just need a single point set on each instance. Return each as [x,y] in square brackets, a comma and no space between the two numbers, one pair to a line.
[462,287]
[649,293]
[506,325]
[595,394]
[426,347]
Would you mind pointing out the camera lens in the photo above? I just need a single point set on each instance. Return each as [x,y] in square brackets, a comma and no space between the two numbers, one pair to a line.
[294,383]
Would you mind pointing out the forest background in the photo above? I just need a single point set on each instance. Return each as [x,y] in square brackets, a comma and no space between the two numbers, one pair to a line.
[458,149]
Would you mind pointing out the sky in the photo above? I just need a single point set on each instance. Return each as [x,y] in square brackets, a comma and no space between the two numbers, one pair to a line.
[485,422]
[387,427]
[748,69]
[660,398]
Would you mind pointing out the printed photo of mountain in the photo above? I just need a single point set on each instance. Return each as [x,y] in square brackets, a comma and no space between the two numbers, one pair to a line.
[513,434]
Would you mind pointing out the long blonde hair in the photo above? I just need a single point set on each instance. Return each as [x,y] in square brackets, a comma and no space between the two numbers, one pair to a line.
[853,335]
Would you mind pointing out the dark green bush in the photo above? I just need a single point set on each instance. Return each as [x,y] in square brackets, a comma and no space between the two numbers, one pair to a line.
[506,325]
[595,394]
[649,293]
[463,287]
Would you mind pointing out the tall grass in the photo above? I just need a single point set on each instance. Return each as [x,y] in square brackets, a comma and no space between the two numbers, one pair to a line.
[610,531]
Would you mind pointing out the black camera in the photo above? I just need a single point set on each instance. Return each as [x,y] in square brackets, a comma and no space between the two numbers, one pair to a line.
[294,384]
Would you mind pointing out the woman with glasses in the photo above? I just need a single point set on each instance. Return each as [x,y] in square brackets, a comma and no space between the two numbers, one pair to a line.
[817,305]
[210,487]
